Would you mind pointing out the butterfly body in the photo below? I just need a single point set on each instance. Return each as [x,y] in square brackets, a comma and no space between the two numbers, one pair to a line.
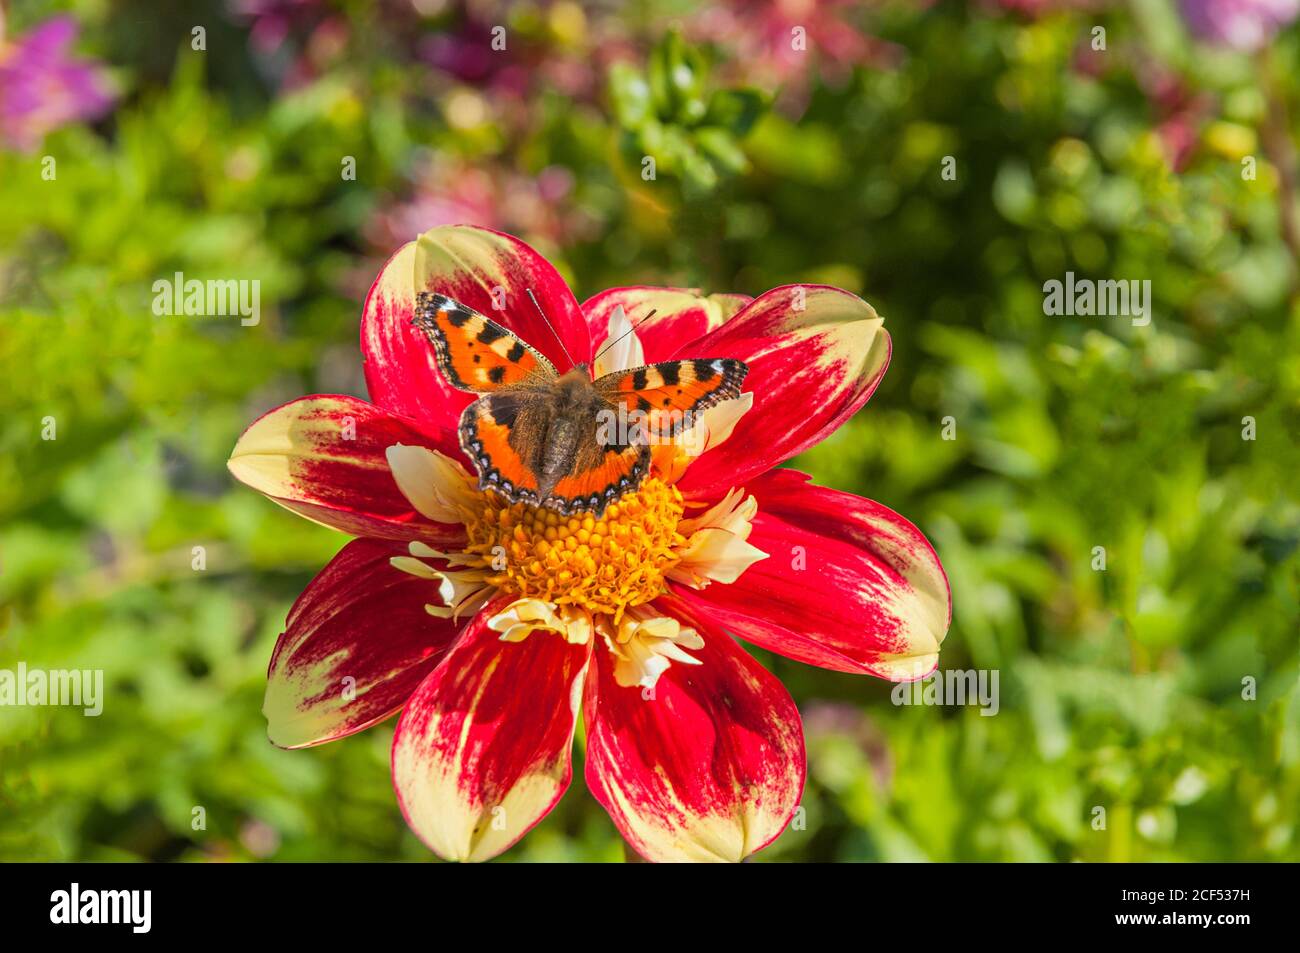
[573,404]
[564,442]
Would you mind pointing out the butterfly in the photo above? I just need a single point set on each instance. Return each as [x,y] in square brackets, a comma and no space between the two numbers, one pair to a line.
[566,443]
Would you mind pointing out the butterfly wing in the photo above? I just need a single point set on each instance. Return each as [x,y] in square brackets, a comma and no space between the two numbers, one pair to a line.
[601,473]
[500,433]
[534,449]
[670,394]
[475,353]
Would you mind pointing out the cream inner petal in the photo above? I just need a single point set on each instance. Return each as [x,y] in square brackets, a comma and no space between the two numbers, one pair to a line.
[621,349]
[716,423]
[645,645]
[463,591]
[435,484]
[523,617]
[716,548]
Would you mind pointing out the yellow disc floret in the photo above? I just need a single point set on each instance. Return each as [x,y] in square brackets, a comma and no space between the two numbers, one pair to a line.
[601,565]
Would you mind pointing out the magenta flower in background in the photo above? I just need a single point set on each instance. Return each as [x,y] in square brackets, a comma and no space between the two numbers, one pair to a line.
[43,88]
[451,190]
[297,41]
[466,53]
[273,22]
[783,40]
[563,57]
[1245,25]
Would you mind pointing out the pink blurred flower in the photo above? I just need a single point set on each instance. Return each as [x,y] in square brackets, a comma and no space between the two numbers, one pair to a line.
[1180,112]
[43,88]
[296,41]
[273,21]
[1180,133]
[783,40]
[451,192]
[1245,25]
[465,52]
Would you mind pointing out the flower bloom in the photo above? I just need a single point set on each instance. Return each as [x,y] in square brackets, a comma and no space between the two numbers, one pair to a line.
[781,39]
[42,88]
[491,625]
[1244,25]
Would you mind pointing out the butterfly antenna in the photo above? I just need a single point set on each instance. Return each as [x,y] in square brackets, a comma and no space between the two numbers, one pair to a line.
[551,326]
[610,344]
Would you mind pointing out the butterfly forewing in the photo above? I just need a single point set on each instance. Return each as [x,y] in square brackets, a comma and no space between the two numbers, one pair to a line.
[475,353]
[669,395]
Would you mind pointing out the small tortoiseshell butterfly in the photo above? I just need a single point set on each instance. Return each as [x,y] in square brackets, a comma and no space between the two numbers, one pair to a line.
[539,438]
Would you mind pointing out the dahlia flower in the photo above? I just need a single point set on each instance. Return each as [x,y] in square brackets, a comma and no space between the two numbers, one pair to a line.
[492,626]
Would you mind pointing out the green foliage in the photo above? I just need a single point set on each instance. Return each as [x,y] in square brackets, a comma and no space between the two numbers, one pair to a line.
[1121,688]
[669,114]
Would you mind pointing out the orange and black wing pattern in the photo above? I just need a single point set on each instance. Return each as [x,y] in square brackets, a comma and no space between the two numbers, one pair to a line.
[498,433]
[600,475]
[503,433]
[475,353]
[670,394]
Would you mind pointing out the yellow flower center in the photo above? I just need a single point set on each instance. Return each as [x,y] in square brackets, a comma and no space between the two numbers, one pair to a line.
[601,565]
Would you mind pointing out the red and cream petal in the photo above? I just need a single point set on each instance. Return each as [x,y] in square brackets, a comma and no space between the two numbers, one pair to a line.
[402,374]
[482,750]
[717,547]
[492,272]
[848,584]
[680,316]
[434,483]
[356,644]
[707,766]
[486,270]
[324,457]
[815,356]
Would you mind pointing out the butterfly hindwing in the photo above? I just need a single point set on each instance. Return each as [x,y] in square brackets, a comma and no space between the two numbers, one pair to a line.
[601,473]
[500,433]
[474,352]
[671,393]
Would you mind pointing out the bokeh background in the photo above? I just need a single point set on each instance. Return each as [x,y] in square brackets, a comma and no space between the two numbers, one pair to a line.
[1168,155]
